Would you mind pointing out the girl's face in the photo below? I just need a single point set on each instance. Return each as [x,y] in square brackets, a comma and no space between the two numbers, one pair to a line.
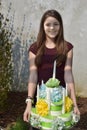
[51,27]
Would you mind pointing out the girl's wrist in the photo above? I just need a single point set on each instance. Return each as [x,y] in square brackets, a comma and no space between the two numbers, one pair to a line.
[29,99]
[29,104]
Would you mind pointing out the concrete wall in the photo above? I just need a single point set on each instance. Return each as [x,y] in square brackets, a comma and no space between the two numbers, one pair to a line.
[24,18]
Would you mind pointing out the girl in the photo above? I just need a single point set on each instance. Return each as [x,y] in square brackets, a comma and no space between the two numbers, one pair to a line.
[50,46]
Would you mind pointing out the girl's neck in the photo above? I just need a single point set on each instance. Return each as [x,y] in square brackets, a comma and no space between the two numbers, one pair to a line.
[50,43]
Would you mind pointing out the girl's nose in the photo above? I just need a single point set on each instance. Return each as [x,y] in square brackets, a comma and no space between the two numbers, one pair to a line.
[51,27]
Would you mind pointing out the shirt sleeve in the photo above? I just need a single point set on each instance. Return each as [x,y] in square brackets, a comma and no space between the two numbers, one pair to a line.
[70,46]
[33,48]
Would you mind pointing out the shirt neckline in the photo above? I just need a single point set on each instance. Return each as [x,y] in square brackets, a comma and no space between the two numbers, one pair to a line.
[50,48]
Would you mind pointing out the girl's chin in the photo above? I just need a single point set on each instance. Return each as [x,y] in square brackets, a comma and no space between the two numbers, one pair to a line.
[51,37]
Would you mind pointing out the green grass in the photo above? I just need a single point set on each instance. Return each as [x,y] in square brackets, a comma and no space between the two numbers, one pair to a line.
[20,125]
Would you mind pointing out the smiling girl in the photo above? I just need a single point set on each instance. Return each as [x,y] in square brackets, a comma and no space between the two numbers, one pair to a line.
[50,46]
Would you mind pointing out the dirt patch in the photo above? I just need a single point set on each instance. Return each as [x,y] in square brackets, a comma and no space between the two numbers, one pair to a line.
[16,107]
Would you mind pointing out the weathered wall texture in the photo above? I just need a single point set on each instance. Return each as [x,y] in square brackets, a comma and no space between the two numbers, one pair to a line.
[24,18]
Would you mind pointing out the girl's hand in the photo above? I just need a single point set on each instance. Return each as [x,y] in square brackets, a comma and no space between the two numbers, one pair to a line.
[27,112]
[76,110]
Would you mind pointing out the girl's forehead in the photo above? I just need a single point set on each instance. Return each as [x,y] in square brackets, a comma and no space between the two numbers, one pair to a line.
[51,19]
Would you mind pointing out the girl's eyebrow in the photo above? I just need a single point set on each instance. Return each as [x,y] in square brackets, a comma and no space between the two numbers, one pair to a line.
[52,22]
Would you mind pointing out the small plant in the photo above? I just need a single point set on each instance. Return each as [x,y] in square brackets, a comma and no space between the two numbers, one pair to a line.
[5,61]
[20,125]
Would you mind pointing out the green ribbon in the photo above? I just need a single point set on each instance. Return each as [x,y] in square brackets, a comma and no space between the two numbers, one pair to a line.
[46,124]
[66,115]
[68,123]
[49,117]
[55,108]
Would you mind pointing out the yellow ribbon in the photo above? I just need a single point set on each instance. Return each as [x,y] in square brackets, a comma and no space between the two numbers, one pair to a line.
[42,107]
[68,104]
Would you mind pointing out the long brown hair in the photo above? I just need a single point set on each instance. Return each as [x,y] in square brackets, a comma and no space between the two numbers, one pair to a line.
[61,45]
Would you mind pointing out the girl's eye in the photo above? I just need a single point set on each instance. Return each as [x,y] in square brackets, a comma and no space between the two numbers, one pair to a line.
[48,24]
[54,24]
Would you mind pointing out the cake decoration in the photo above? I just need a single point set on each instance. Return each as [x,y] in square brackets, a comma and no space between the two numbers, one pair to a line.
[54,108]
[42,107]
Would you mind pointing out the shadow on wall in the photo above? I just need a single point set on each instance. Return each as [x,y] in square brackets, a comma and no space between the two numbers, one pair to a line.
[20,63]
